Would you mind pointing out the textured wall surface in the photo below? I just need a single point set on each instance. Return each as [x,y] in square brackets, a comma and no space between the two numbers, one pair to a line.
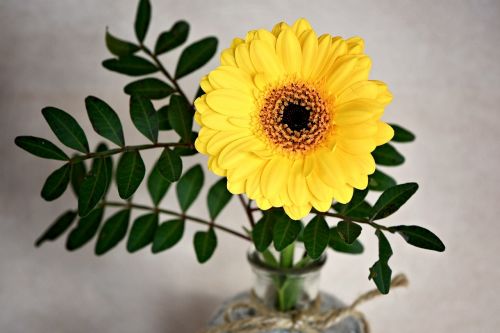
[440,59]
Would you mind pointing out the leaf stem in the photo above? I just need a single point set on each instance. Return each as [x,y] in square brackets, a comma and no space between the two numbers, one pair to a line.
[164,70]
[354,219]
[181,215]
[110,152]
[248,210]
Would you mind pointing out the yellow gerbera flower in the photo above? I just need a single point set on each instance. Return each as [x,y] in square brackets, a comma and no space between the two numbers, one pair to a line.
[291,118]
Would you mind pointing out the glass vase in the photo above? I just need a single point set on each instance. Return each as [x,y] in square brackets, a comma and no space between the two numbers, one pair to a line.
[284,291]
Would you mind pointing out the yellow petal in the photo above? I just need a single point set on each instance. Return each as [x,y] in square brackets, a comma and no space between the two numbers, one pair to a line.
[343,194]
[309,53]
[384,133]
[289,51]
[230,78]
[355,45]
[265,60]
[318,188]
[221,139]
[242,56]
[274,177]
[263,203]
[297,186]
[214,167]
[205,84]
[230,102]
[357,146]
[227,58]
[321,206]
[300,26]
[297,212]
[329,169]
[236,187]
[266,36]
[279,27]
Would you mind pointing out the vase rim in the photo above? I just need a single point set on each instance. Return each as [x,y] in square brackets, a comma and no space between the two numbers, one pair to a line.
[255,261]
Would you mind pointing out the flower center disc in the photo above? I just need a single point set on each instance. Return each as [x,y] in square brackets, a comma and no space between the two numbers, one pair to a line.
[295,118]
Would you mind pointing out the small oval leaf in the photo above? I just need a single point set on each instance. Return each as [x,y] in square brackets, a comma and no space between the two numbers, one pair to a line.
[142,19]
[150,88]
[169,40]
[112,232]
[316,237]
[195,56]
[40,147]
[66,128]
[285,231]
[180,117]
[61,224]
[379,181]
[118,46]
[170,165]
[144,117]
[93,187]
[392,199]
[189,186]
[218,197]
[349,231]
[163,123]
[104,120]
[262,232]
[387,155]
[85,230]
[142,232]
[338,244]
[78,172]
[381,273]
[167,235]
[401,134]
[157,185]
[205,243]
[56,183]
[130,65]
[129,173]
[420,237]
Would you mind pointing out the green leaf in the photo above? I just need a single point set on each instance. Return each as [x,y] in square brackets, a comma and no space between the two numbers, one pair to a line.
[205,243]
[118,46]
[104,120]
[381,273]
[218,197]
[129,173]
[150,88]
[112,232]
[180,117]
[163,123]
[56,183]
[130,65]
[85,230]
[384,248]
[61,224]
[188,150]
[157,185]
[356,201]
[93,187]
[387,155]
[170,165]
[189,186]
[392,199]
[169,40]
[338,244]
[142,19]
[108,165]
[144,117]
[142,232]
[78,172]
[262,232]
[40,147]
[379,181]
[195,56]
[66,128]
[167,235]
[316,237]
[420,237]
[402,134]
[285,231]
[349,231]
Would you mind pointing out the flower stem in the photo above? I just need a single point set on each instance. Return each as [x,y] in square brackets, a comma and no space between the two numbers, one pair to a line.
[181,215]
[110,152]
[248,210]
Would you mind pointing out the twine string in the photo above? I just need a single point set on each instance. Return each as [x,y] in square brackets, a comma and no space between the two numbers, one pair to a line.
[311,320]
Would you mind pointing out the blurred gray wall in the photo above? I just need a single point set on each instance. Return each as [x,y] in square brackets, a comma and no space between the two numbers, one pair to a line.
[440,59]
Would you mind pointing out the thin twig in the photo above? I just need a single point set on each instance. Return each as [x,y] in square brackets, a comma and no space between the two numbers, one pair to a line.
[110,152]
[180,215]
[247,210]
[354,219]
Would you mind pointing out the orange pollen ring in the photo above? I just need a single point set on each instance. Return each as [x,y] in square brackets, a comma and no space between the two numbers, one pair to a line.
[295,117]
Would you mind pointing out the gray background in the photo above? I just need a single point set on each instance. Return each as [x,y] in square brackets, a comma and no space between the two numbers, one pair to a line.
[440,59]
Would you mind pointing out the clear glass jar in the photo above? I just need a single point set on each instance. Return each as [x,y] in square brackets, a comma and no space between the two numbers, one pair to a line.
[285,290]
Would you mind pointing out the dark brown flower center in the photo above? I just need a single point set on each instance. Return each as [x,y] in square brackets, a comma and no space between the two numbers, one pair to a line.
[295,117]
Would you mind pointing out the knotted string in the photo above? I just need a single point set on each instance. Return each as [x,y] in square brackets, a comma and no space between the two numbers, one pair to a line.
[305,321]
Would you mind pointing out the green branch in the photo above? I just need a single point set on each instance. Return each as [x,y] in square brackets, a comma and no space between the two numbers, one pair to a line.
[354,219]
[124,149]
[180,215]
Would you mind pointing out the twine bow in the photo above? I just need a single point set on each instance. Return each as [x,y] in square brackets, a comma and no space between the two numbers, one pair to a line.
[305,321]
